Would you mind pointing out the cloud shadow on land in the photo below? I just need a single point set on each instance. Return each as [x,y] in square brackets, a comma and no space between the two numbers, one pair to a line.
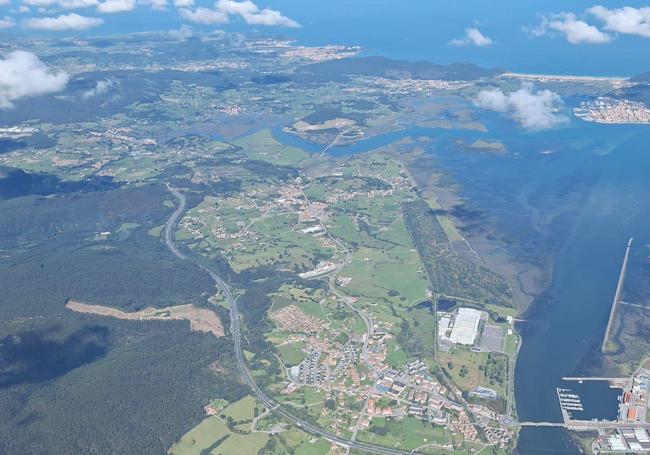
[36,356]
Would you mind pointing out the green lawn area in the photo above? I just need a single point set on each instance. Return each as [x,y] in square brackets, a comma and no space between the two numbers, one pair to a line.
[125,227]
[511,343]
[242,444]
[502,310]
[155,231]
[242,409]
[305,396]
[291,353]
[263,146]
[200,437]
[320,447]
[311,308]
[307,299]
[450,230]
[343,227]
[473,361]
[317,192]
[407,433]
[396,357]
[212,436]
[278,243]
[296,442]
[136,168]
[391,275]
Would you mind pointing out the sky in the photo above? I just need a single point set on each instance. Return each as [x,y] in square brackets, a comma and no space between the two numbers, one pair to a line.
[579,37]
[553,37]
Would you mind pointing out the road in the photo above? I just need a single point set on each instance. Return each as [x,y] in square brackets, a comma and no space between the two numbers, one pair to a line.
[235,329]
[587,424]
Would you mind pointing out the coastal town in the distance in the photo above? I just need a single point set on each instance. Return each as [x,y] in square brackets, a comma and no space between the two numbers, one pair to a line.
[239,243]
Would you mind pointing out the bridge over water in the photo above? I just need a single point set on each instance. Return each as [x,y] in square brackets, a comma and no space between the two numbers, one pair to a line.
[586,424]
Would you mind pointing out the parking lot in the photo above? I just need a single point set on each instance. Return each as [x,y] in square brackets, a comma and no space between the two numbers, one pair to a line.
[492,339]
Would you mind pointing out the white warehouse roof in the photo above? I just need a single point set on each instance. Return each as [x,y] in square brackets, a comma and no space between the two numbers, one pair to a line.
[616,442]
[641,435]
[465,327]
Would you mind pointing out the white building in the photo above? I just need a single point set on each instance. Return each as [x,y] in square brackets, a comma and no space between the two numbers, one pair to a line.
[443,327]
[617,443]
[641,435]
[465,327]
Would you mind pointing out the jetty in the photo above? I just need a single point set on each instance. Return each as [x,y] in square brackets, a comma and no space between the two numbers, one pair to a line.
[617,297]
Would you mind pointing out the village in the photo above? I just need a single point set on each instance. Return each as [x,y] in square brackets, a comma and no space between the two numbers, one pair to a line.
[358,369]
[609,110]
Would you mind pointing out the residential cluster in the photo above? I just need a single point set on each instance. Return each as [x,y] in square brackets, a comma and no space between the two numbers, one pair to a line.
[319,54]
[412,391]
[121,137]
[408,86]
[292,319]
[397,183]
[609,110]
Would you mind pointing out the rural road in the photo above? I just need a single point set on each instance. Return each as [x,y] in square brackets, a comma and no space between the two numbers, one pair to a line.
[235,327]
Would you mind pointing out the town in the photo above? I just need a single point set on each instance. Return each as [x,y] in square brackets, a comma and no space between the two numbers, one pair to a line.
[608,110]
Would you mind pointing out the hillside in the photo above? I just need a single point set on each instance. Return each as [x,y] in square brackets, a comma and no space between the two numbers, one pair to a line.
[395,69]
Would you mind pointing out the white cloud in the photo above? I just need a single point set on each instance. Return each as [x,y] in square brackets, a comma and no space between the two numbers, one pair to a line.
[6,22]
[101,88]
[253,15]
[472,36]
[70,21]
[23,74]
[576,31]
[116,6]
[4,2]
[246,9]
[183,3]
[65,4]
[182,33]
[158,5]
[535,110]
[628,20]
[204,16]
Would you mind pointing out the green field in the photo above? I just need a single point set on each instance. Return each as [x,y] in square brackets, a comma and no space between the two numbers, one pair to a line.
[212,435]
[469,369]
[392,276]
[408,433]
[242,409]
[263,146]
[317,447]
[291,353]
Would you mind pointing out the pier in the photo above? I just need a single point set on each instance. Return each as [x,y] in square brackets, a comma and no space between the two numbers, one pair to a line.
[588,378]
[617,296]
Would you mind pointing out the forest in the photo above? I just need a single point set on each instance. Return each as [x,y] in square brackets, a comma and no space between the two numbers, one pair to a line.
[78,383]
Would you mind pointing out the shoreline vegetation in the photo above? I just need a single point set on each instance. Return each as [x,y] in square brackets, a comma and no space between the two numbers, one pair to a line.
[527,281]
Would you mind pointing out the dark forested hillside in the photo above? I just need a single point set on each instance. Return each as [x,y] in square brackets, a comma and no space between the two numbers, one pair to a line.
[83,384]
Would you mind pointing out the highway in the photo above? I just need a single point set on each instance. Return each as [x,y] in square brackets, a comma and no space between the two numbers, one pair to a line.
[235,328]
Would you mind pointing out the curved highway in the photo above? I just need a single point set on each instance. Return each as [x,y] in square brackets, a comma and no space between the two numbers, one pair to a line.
[235,327]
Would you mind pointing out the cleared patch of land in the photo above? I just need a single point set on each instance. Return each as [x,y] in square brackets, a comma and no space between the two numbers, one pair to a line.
[201,319]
